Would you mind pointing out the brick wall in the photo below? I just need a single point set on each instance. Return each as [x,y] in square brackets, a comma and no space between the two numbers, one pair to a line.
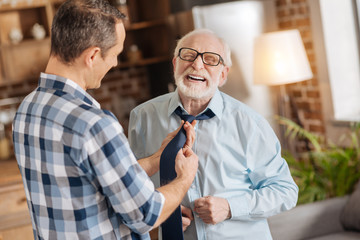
[294,14]
[121,91]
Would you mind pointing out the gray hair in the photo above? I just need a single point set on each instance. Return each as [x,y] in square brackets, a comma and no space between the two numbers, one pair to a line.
[80,24]
[227,51]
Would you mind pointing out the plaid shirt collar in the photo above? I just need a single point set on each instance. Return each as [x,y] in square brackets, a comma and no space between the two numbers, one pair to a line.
[58,83]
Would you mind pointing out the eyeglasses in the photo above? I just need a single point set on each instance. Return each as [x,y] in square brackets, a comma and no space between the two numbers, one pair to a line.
[208,58]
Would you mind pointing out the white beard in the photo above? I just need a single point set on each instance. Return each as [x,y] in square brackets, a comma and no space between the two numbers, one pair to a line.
[193,90]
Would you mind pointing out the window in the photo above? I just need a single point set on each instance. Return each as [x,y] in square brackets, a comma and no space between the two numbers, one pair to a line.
[336,42]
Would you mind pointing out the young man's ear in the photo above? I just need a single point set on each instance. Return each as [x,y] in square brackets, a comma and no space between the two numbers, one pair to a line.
[91,55]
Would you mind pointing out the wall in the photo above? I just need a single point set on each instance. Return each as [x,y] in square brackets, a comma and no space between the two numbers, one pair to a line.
[335,34]
[122,90]
[342,55]
[239,23]
[306,100]
[185,5]
[306,95]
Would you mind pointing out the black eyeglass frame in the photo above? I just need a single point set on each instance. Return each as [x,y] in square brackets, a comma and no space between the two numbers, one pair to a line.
[221,60]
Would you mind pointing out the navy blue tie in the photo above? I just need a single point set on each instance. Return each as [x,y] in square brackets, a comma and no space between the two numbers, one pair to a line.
[172,227]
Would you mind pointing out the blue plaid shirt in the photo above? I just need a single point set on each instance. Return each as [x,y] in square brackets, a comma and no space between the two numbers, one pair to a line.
[81,179]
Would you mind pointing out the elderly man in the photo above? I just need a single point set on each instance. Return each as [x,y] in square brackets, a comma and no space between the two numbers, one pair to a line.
[242,178]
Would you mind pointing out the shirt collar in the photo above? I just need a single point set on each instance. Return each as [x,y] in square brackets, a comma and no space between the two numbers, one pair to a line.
[216,104]
[56,82]
[174,103]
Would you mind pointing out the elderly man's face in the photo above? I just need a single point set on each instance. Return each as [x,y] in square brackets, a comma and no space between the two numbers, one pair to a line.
[195,79]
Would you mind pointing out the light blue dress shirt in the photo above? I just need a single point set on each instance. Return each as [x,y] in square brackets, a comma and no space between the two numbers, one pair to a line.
[239,160]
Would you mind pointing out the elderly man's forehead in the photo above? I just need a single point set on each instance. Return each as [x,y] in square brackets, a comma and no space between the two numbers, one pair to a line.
[203,42]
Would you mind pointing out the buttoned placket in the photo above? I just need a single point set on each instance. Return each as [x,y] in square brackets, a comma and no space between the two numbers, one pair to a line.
[194,193]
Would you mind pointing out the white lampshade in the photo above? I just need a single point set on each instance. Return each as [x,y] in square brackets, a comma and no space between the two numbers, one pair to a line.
[280,58]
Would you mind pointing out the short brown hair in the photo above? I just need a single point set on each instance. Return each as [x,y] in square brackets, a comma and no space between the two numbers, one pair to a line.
[80,24]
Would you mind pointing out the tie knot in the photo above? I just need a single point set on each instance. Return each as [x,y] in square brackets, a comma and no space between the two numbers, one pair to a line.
[187,117]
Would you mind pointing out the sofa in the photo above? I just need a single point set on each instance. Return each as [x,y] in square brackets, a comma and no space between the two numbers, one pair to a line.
[332,219]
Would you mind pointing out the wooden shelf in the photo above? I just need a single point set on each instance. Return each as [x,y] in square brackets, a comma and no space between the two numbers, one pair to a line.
[143,62]
[26,43]
[10,174]
[22,5]
[23,20]
[148,32]
[24,60]
[57,1]
[15,222]
[147,24]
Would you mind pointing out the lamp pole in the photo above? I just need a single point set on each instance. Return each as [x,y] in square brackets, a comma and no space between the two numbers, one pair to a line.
[280,59]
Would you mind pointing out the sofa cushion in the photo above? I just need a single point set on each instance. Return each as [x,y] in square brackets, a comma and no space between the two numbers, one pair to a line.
[348,235]
[307,221]
[350,215]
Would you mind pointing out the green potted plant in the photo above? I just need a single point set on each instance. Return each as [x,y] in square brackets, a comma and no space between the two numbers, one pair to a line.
[327,169]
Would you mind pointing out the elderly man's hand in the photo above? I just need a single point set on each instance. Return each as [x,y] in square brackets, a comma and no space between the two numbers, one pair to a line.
[212,210]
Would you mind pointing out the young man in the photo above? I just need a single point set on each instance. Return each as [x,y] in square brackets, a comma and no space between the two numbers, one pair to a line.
[242,178]
[80,177]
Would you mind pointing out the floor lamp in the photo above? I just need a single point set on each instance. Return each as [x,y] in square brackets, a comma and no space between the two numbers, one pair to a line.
[279,59]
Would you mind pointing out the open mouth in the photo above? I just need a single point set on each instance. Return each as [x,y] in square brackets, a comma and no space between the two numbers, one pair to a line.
[196,78]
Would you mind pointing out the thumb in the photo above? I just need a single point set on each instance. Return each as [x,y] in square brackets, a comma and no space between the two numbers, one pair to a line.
[180,152]
[187,152]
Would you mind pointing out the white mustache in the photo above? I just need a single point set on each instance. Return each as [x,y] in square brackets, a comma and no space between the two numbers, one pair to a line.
[202,73]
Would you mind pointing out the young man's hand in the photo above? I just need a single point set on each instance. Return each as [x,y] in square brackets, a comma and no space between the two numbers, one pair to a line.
[187,217]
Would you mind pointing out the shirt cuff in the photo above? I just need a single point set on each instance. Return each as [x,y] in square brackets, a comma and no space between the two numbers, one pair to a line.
[239,207]
[160,201]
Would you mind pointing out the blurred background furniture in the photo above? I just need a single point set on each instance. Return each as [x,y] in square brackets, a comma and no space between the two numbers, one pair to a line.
[332,219]
[15,223]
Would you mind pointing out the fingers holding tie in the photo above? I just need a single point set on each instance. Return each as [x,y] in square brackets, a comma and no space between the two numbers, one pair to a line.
[190,134]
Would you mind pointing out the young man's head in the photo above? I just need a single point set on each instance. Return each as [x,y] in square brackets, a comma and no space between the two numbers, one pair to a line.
[80,24]
[86,38]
